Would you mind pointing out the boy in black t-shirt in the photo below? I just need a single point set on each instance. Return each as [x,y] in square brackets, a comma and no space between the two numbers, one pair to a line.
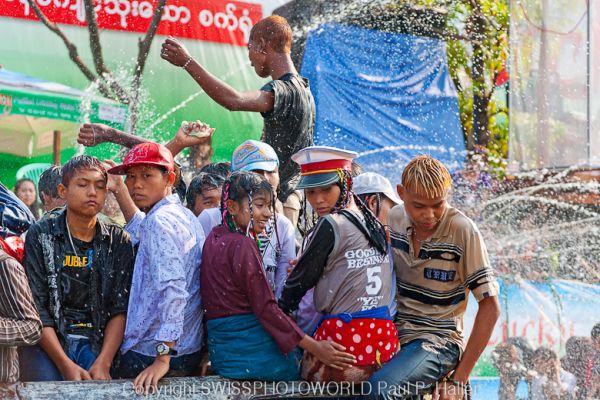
[79,270]
[286,103]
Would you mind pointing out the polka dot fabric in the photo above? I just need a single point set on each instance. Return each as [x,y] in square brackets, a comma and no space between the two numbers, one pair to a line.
[371,340]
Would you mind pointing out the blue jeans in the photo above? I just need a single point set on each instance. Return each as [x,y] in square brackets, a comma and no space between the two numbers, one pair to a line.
[35,365]
[417,366]
[133,363]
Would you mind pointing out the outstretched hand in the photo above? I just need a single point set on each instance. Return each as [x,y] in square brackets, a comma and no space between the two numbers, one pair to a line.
[174,52]
[192,134]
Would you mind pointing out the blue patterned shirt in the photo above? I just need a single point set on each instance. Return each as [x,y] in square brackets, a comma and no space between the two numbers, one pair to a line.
[165,302]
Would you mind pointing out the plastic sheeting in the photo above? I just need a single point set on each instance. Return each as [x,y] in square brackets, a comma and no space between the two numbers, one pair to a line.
[555,84]
[388,96]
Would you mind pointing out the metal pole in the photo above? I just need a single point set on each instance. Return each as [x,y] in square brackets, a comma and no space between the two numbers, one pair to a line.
[588,83]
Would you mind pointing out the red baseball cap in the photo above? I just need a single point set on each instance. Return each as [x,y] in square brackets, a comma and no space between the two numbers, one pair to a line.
[148,153]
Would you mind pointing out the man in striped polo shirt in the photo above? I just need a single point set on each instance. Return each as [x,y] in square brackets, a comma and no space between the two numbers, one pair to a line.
[439,258]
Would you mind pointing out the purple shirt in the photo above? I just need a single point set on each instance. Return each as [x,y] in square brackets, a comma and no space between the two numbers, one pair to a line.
[164,304]
[233,282]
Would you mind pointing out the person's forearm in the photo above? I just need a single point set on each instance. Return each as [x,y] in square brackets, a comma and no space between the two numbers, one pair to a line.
[126,204]
[218,90]
[485,320]
[113,337]
[51,346]
[123,138]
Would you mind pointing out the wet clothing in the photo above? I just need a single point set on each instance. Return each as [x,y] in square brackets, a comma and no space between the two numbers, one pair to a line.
[351,278]
[289,126]
[46,248]
[260,359]
[75,282]
[415,368]
[348,274]
[433,288]
[233,283]
[277,249]
[20,323]
[166,280]
[15,216]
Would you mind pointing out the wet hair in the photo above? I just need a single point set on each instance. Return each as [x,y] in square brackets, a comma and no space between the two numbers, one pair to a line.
[427,177]
[276,31]
[221,169]
[240,185]
[79,163]
[357,169]
[201,182]
[365,199]
[21,181]
[49,181]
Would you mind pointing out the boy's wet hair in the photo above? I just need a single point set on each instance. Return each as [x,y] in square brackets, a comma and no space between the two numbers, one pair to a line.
[79,163]
[49,181]
[221,169]
[595,334]
[201,182]
[426,177]
[276,31]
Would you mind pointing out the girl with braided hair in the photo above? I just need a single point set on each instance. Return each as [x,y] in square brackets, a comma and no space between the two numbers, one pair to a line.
[249,337]
[345,259]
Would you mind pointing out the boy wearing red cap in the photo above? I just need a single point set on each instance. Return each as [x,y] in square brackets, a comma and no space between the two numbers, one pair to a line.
[166,281]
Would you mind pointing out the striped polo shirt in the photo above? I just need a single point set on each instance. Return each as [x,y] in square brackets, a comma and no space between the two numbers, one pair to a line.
[434,287]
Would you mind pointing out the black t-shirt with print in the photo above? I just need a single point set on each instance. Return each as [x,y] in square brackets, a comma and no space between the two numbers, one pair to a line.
[289,126]
[75,284]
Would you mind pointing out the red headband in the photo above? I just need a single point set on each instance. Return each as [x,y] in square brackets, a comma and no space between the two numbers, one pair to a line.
[325,166]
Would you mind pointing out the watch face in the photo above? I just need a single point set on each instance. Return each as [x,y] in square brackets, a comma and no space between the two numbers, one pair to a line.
[161,349]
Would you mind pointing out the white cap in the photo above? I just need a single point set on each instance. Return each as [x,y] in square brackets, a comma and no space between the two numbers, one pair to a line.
[318,165]
[370,182]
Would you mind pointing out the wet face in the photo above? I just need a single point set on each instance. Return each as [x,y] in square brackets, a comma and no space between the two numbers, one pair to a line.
[262,211]
[271,176]
[85,193]
[425,213]
[258,58]
[207,198]
[147,185]
[323,199]
[26,193]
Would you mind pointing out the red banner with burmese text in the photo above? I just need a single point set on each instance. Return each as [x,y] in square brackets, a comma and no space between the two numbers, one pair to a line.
[218,21]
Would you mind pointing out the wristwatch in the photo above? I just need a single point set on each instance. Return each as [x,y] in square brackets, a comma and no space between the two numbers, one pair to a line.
[162,350]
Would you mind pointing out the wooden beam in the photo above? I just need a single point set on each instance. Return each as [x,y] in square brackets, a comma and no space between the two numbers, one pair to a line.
[56,149]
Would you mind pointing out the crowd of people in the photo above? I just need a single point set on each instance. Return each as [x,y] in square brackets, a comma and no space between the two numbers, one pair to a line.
[287,262]
[576,376]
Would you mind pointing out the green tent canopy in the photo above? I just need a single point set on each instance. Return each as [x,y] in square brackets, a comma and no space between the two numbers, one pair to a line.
[31,109]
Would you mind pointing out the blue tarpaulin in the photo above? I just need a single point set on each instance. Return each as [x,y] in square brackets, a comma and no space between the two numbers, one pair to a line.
[388,96]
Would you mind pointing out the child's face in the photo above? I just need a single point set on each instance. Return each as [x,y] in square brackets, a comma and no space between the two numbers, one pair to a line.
[385,205]
[425,213]
[26,193]
[207,198]
[147,185]
[323,199]
[262,211]
[271,176]
[85,193]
